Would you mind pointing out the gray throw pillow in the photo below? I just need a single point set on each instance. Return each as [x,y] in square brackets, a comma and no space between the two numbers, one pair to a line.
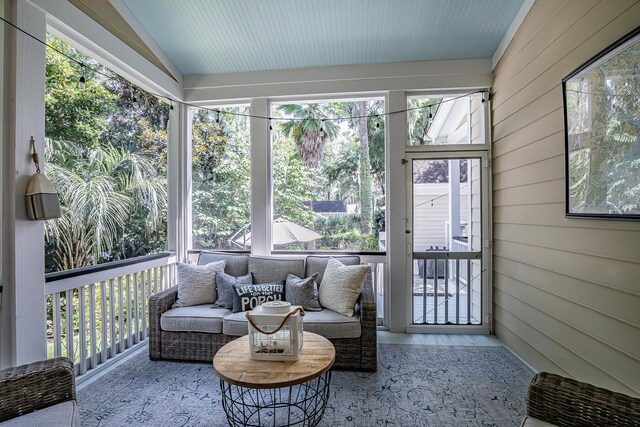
[248,297]
[224,283]
[197,283]
[303,292]
[341,286]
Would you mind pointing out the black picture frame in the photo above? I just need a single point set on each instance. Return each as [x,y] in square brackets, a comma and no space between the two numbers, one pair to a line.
[591,174]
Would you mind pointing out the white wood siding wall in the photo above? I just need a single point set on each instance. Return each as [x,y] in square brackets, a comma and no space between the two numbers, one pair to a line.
[566,291]
[429,221]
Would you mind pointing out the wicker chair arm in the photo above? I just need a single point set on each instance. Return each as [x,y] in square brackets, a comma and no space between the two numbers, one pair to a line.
[158,304]
[367,299]
[27,388]
[567,402]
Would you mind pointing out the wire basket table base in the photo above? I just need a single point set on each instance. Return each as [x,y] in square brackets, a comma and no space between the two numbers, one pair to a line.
[300,405]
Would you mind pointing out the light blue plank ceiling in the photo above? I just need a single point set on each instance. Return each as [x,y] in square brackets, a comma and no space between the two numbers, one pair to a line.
[225,36]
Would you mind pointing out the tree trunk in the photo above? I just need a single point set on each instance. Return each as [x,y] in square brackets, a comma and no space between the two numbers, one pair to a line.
[365,172]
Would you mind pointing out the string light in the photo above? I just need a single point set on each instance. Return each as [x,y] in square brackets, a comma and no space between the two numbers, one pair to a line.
[377,125]
[430,113]
[134,100]
[172,110]
[321,128]
[270,127]
[82,82]
[115,77]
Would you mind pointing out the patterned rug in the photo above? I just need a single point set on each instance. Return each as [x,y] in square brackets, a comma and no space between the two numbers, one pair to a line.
[415,385]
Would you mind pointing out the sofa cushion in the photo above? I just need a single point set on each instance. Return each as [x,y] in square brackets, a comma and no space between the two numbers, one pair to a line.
[197,283]
[534,422]
[235,324]
[342,286]
[303,292]
[317,264]
[197,318]
[224,283]
[237,264]
[327,323]
[62,414]
[271,269]
[248,297]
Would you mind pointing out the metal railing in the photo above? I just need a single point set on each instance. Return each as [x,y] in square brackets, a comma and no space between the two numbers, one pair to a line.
[446,298]
[95,314]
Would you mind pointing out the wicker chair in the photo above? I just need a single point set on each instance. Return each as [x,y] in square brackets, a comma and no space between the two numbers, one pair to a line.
[566,402]
[39,386]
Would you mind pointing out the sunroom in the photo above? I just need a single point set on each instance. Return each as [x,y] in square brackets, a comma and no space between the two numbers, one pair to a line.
[451,147]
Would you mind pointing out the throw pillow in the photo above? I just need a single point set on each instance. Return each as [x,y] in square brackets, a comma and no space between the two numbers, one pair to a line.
[197,283]
[341,286]
[224,284]
[247,297]
[303,292]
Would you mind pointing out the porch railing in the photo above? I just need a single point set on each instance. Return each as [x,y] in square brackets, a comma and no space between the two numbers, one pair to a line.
[97,313]
[447,297]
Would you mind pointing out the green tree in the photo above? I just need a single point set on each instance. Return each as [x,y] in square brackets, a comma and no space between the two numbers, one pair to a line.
[420,116]
[72,114]
[308,130]
[221,175]
[99,188]
[100,124]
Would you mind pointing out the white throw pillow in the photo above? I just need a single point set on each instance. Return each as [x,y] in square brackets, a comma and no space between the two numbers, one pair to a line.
[197,283]
[341,286]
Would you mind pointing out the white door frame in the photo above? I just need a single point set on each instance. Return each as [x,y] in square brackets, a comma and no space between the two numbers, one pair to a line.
[485,212]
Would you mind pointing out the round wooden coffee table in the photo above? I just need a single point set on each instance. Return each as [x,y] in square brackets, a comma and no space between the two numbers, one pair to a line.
[274,393]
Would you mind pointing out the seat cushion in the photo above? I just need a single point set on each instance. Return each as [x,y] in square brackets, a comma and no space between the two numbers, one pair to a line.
[235,324]
[237,265]
[317,264]
[327,323]
[197,318]
[330,324]
[271,269]
[534,422]
[62,414]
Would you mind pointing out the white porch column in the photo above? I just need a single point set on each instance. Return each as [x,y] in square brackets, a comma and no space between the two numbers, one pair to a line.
[261,210]
[454,201]
[23,299]
[395,216]
[179,182]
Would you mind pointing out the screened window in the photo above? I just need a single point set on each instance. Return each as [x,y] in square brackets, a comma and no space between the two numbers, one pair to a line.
[106,154]
[328,175]
[444,120]
[221,179]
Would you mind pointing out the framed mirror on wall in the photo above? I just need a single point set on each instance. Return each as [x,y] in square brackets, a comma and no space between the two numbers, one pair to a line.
[602,133]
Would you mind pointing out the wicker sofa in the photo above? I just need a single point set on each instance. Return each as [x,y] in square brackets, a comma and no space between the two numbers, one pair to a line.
[554,400]
[196,333]
[39,394]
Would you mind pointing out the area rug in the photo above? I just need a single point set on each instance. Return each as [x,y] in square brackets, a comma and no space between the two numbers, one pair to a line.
[415,385]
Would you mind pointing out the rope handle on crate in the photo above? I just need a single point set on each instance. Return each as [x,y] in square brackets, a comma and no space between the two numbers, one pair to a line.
[291,313]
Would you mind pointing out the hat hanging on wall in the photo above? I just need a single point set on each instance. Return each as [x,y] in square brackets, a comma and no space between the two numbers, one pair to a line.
[42,198]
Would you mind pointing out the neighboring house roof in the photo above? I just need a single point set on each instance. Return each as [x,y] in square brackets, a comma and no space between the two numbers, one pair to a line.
[329,206]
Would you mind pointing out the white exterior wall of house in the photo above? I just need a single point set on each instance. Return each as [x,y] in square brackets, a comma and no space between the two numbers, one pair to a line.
[429,221]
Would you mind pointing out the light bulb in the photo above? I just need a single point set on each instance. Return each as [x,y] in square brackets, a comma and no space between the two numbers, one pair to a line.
[82,83]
